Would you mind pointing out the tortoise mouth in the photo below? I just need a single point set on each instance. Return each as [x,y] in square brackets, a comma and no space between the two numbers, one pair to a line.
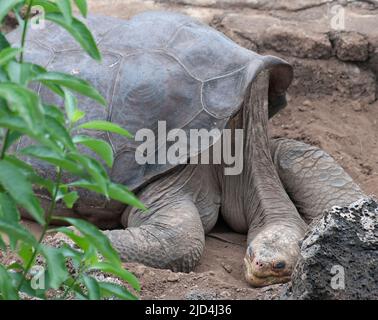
[258,279]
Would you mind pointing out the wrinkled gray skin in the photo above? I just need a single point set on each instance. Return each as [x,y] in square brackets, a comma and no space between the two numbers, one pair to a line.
[165,66]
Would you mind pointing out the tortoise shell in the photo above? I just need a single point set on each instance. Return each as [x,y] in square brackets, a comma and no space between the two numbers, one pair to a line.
[158,66]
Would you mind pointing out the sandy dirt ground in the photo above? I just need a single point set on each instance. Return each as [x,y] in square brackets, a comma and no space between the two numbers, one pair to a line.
[342,123]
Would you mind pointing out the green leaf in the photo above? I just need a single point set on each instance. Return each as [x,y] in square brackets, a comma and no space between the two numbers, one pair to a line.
[69,252]
[6,6]
[116,192]
[18,72]
[25,102]
[92,287]
[101,147]
[79,31]
[118,271]
[101,125]
[72,83]
[80,241]
[78,115]
[54,88]
[70,104]
[54,112]
[85,184]
[52,157]
[121,193]
[57,270]
[94,169]
[22,73]
[8,209]
[7,288]
[13,136]
[15,266]
[20,189]
[3,77]
[26,169]
[66,9]
[8,54]
[110,289]
[30,173]
[9,213]
[48,6]
[3,42]
[83,7]
[14,122]
[59,133]
[96,238]
[26,253]
[70,199]
[3,246]
[18,232]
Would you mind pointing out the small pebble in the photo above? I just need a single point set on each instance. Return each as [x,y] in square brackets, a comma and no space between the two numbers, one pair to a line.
[173,278]
[225,294]
[227,267]
[357,107]
[307,103]
[301,108]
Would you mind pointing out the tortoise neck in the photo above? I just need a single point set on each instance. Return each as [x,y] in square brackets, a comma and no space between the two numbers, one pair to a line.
[259,194]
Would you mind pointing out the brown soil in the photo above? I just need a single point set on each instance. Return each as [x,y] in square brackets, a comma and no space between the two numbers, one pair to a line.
[343,125]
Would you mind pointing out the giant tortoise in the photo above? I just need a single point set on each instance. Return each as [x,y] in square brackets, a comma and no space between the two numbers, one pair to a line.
[163,66]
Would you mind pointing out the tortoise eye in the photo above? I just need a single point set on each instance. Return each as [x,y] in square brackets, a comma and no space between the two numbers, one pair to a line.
[279,265]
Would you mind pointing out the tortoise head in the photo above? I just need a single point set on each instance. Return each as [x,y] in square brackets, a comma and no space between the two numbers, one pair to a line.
[271,256]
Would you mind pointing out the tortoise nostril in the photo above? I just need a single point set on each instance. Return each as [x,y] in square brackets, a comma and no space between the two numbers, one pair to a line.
[279,265]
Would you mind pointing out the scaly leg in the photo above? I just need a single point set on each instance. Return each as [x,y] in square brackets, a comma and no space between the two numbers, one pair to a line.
[313,179]
[169,236]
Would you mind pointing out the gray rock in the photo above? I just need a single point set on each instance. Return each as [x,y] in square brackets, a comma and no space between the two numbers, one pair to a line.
[339,255]
[292,5]
[350,46]
[270,33]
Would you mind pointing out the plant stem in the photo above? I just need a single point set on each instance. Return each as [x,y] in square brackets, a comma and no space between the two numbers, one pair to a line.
[45,228]
[21,60]
[6,137]
[24,30]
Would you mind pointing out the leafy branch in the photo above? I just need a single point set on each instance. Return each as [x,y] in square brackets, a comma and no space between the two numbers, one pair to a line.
[70,269]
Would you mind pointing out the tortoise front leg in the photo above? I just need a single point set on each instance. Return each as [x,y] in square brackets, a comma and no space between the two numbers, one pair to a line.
[169,236]
[313,179]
